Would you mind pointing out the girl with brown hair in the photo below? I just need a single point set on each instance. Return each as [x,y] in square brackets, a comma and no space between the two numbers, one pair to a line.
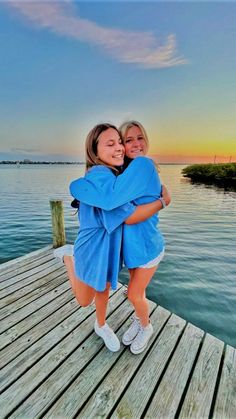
[94,265]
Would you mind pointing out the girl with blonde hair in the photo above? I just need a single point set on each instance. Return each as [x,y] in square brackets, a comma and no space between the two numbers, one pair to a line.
[143,247]
[94,262]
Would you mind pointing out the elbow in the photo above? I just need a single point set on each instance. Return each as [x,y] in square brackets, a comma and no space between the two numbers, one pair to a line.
[130,221]
[72,189]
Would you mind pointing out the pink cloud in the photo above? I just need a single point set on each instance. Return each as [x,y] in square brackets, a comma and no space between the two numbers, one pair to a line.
[141,48]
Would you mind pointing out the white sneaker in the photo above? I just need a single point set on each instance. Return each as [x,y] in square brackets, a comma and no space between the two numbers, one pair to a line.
[132,331]
[110,339]
[140,342]
[67,250]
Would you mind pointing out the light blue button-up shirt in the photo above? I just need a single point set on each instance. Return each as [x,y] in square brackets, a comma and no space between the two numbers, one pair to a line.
[139,184]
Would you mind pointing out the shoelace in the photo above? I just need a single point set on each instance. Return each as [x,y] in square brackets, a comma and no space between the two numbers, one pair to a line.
[107,330]
[133,319]
[140,333]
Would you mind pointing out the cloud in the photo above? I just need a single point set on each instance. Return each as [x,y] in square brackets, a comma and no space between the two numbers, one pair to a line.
[140,48]
[24,150]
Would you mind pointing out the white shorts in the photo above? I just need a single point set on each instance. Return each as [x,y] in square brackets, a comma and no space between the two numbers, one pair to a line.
[154,262]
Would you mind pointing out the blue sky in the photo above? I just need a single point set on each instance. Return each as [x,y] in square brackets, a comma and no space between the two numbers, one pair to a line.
[67,65]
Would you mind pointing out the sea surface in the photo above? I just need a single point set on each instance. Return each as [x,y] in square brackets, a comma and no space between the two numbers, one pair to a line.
[197,278]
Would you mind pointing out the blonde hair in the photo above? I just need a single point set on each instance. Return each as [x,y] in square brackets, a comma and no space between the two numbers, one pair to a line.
[129,124]
[91,143]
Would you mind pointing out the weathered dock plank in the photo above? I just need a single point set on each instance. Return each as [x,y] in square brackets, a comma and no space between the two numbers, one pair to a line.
[23,387]
[84,385]
[166,399]
[31,277]
[49,305]
[25,268]
[67,372]
[53,365]
[17,295]
[135,399]
[6,285]
[29,308]
[108,393]
[44,285]
[198,400]
[14,264]
[225,406]
[66,304]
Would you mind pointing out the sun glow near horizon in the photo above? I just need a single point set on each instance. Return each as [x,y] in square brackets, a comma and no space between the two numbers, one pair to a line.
[180,83]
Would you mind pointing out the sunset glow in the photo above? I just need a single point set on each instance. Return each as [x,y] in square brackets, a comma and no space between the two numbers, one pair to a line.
[70,65]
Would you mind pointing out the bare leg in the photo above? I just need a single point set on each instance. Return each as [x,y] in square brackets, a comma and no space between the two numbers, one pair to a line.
[139,280]
[84,294]
[101,301]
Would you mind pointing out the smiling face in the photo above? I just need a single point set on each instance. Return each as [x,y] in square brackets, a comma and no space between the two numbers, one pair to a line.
[135,143]
[110,149]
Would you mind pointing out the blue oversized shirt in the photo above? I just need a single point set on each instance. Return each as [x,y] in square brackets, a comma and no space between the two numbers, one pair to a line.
[97,249]
[143,241]
[140,183]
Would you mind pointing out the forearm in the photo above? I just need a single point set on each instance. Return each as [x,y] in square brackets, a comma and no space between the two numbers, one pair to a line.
[143,212]
[100,188]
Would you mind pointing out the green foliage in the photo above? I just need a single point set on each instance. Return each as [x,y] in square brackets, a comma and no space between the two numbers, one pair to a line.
[224,174]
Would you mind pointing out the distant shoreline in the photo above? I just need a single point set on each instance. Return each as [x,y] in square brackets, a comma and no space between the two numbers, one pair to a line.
[38,162]
[21,163]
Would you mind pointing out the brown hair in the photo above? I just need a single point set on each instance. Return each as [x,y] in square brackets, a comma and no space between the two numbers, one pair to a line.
[91,143]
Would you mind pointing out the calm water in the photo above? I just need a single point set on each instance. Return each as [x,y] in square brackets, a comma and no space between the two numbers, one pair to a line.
[196,280]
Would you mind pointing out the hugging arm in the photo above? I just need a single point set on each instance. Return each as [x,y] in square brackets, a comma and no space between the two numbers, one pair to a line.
[100,188]
[132,214]
[145,211]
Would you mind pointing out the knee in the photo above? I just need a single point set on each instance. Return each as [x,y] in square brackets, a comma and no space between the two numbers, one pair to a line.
[83,302]
[134,297]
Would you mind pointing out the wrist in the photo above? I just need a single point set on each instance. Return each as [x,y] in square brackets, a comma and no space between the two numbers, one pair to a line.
[163,202]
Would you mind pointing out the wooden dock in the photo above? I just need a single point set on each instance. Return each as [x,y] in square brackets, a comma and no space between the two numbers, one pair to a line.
[54,366]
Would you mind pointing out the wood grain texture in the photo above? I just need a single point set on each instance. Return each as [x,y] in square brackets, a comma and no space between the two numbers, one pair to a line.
[40,260]
[65,374]
[58,228]
[166,399]
[31,276]
[37,303]
[29,351]
[22,388]
[140,389]
[43,286]
[51,302]
[125,370]
[198,400]
[53,365]
[15,263]
[19,293]
[225,406]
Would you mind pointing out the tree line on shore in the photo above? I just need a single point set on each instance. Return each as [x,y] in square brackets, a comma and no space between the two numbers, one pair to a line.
[222,174]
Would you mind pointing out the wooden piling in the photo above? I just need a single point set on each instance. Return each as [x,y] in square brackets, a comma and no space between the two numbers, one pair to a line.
[58,228]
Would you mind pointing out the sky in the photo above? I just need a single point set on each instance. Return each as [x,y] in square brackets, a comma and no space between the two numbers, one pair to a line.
[67,65]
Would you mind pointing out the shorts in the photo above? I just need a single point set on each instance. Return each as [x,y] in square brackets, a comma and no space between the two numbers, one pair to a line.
[154,262]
